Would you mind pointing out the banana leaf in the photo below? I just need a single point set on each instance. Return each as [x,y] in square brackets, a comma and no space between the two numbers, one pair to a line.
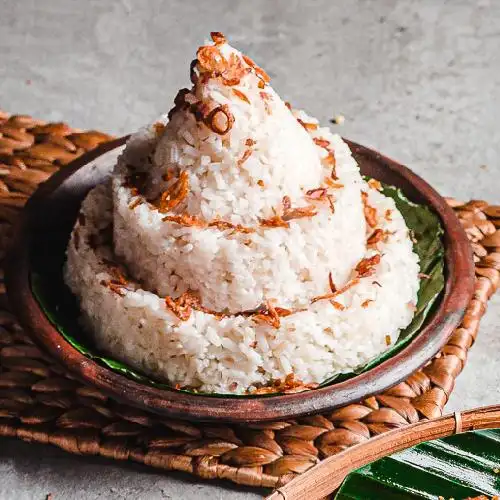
[61,307]
[457,467]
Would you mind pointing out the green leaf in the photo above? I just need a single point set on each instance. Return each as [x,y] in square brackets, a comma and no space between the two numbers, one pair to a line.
[427,232]
[459,466]
[61,307]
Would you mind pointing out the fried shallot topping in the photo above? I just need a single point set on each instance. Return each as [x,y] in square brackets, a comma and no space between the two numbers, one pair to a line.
[223,225]
[366,266]
[331,183]
[210,60]
[308,126]
[234,72]
[244,158]
[331,201]
[289,385]
[274,221]
[159,128]
[270,315]
[299,213]
[340,291]
[220,120]
[322,143]
[175,194]
[287,203]
[289,213]
[330,160]
[369,211]
[114,287]
[377,236]
[375,184]
[317,194]
[333,288]
[117,272]
[337,305]
[241,95]
[217,37]
[183,305]
[118,282]
[135,203]
[193,221]
[185,220]
[258,70]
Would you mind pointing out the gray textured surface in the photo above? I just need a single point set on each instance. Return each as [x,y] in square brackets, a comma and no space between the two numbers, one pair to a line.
[418,80]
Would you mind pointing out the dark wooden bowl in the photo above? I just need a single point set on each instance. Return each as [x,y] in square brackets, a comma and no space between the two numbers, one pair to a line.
[55,206]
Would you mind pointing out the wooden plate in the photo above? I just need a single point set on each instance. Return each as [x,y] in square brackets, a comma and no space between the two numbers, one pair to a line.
[55,206]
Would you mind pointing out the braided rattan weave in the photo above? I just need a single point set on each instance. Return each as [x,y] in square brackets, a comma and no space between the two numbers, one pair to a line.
[40,402]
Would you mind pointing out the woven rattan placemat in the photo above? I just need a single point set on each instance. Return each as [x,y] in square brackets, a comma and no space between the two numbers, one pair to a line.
[40,402]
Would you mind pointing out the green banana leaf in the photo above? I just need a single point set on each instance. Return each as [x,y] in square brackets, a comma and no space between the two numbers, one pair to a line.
[460,466]
[61,307]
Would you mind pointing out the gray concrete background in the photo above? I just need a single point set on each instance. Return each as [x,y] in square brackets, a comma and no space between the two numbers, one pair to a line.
[418,80]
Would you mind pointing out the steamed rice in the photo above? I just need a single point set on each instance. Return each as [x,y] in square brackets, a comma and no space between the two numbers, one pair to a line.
[215,348]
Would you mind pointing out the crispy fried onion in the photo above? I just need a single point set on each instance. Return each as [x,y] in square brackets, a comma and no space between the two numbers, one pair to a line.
[210,60]
[217,37]
[299,213]
[183,305]
[288,214]
[321,194]
[322,143]
[193,221]
[317,194]
[274,221]
[366,266]
[264,77]
[288,385]
[375,184]
[223,226]
[369,211]
[244,158]
[212,64]
[217,117]
[234,72]
[331,284]
[175,194]
[185,220]
[271,315]
[330,160]
[220,120]
[118,283]
[331,183]
[377,236]
[308,126]
[241,95]
[338,292]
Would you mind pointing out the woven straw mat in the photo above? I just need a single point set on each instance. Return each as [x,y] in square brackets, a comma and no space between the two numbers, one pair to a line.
[40,402]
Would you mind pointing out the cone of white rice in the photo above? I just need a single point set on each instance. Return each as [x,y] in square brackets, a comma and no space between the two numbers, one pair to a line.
[236,248]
